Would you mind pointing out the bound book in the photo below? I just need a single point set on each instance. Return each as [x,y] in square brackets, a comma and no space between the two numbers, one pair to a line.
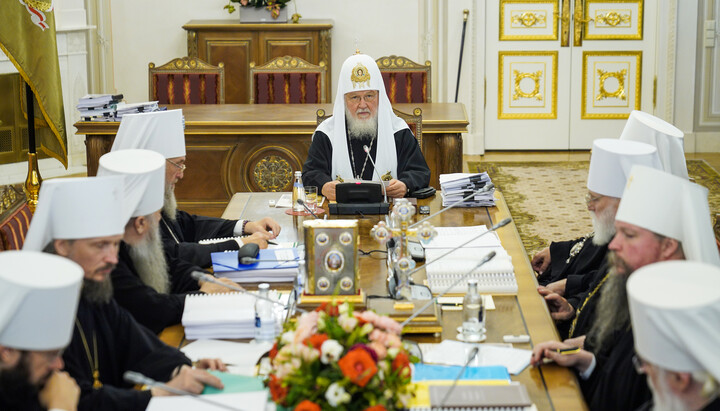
[276,265]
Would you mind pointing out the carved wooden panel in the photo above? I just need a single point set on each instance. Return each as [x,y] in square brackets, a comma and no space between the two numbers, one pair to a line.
[236,54]
[529,19]
[611,83]
[528,84]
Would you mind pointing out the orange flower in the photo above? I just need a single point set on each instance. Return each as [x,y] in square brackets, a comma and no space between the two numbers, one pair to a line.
[273,351]
[330,309]
[307,405]
[378,407]
[277,391]
[316,340]
[358,366]
[400,362]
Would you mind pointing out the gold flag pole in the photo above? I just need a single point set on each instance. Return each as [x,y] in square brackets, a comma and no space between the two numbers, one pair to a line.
[33,180]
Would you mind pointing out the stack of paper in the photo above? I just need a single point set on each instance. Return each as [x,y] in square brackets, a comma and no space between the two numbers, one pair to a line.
[144,107]
[457,186]
[279,265]
[98,107]
[451,352]
[219,316]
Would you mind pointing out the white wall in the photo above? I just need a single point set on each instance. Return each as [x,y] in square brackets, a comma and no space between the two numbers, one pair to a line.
[151,31]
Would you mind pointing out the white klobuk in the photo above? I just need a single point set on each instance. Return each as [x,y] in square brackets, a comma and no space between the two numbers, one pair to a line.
[611,161]
[160,131]
[668,139]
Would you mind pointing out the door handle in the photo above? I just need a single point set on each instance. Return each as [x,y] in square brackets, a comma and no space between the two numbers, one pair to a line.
[579,22]
[565,24]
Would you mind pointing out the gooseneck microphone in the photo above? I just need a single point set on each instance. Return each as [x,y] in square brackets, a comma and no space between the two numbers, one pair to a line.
[489,256]
[248,250]
[377,174]
[472,355]
[502,223]
[250,260]
[201,276]
[137,378]
[487,187]
[302,203]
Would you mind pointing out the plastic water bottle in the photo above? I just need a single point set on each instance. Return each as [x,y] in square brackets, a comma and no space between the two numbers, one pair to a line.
[473,326]
[298,192]
[264,316]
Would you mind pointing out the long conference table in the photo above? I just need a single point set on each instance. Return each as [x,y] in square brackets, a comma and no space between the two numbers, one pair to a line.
[256,147]
[550,386]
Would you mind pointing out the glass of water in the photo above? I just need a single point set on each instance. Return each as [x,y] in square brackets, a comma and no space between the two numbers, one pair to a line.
[311,197]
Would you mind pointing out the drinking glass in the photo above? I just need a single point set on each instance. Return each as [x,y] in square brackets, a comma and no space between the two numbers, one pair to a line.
[311,197]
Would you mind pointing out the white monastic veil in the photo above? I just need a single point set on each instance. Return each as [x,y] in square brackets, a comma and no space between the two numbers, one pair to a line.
[388,122]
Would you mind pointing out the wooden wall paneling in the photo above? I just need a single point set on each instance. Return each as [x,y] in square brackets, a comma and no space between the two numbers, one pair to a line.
[236,51]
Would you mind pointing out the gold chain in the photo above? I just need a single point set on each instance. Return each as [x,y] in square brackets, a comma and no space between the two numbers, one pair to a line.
[579,310]
[93,360]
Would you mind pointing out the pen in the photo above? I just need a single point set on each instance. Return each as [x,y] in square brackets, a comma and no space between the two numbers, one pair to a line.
[568,351]
[272,243]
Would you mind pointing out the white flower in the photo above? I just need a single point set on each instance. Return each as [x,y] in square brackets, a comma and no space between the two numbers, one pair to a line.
[287,337]
[347,322]
[331,351]
[393,352]
[344,308]
[366,329]
[336,395]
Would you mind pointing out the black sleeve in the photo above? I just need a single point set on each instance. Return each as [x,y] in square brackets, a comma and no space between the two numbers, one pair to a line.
[318,166]
[412,168]
[181,280]
[194,228]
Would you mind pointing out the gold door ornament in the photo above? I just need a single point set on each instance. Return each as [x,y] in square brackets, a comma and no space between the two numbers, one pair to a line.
[611,84]
[613,19]
[528,20]
[527,84]
[273,173]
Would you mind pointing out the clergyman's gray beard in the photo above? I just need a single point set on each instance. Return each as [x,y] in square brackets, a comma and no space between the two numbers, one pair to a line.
[149,259]
[97,292]
[361,129]
[664,399]
[612,313]
[604,225]
[170,204]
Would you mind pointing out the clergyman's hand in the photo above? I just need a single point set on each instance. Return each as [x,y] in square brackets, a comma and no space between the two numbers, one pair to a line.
[328,190]
[581,359]
[558,287]
[560,308]
[190,379]
[259,238]
[211,364]
[60,392]
[264,226]
[396,189]
[541,260]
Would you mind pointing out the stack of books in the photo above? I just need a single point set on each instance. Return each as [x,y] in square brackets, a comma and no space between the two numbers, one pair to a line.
[457,186]
[219,316]
[144,107]
[279,265]
[98,107]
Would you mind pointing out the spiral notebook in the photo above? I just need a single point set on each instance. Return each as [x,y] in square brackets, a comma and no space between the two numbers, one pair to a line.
[497,276]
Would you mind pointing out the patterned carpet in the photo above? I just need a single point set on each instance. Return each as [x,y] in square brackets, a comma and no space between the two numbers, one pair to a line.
[547,199]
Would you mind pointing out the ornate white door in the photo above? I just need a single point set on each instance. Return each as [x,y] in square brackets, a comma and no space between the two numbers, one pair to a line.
[561,73]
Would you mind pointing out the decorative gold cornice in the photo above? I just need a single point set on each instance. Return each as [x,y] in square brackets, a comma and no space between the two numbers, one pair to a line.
[186,63]
[400,63]
[287,63]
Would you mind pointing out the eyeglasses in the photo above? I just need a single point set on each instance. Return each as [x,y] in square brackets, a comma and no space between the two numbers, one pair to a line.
[182,167]
[639,364]
[589,199]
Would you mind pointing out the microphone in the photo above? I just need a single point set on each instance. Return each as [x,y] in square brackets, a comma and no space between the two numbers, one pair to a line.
[377,174]
[489,256]
[201,276]
[472,355]
[250,260]
[302,203]
[487,187]
[502,223]
[248,250]
[137,378]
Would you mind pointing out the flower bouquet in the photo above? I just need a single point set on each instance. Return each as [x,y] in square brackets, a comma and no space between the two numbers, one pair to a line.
[337,358]
[273,6]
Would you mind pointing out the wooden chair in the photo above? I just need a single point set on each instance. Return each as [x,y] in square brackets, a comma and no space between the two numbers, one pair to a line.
[716,228]
[413,120]
[15,218]
[405,80]
[288,80]
[187,80]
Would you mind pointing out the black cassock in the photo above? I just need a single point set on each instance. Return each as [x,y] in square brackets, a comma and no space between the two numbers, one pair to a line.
[583,292]
[180,237]
[10,401]
[411,166]
[150,308]
[122,345]
[614,384]
[589,259]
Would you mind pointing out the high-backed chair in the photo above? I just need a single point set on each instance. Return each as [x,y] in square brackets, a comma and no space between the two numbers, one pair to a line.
[15,218]
[405,80]
[413,120]
[288,80]
[187,80]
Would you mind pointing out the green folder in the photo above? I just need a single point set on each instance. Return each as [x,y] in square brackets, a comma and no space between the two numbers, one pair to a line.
[234,383]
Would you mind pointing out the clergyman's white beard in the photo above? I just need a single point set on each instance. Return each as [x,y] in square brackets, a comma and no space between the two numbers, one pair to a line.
[170,204]
[663,398]
[361,129]
[149,259]
[604,225]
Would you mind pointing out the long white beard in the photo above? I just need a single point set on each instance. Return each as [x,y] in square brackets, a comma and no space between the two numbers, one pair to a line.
[663,398]
[604,225]
[361,129]
[170,204]
[149,259]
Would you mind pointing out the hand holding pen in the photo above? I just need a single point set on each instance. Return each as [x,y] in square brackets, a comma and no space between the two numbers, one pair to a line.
[563,354]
